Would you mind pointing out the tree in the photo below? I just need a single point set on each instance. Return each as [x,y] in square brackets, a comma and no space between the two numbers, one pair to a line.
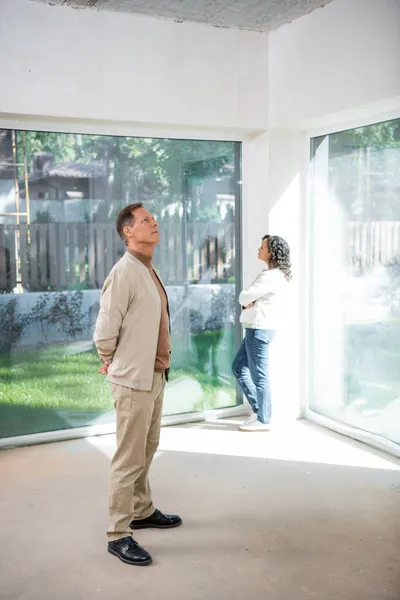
[61,145]
[151,170]
[378,136]
[363,171]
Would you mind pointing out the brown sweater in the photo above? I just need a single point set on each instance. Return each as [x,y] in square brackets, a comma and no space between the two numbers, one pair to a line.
[163,356]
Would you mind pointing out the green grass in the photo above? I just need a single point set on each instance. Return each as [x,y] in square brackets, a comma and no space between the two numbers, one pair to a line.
[51,377]
[53,388]
[211,389]
[47,389]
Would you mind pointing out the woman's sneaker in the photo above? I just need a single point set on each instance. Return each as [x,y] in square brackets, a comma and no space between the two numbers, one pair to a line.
[255,426]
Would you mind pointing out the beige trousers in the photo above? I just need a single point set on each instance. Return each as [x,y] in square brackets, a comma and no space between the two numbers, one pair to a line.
[138,435]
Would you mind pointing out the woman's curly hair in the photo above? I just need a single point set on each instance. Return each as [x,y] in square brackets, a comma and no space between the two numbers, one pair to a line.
[279,254]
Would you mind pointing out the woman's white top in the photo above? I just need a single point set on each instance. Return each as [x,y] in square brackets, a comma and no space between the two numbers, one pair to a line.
[269,293]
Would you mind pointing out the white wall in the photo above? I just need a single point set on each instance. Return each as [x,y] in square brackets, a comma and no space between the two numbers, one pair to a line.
[285,219]
[336,58]
[87,64]
[254,202]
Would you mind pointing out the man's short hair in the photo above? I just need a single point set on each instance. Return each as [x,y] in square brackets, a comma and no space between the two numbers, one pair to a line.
[126,217]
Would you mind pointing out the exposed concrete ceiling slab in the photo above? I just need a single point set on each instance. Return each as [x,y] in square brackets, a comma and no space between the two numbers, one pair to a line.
[256,15]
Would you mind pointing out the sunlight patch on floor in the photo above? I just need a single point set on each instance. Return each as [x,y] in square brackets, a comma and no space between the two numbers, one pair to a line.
[300,442]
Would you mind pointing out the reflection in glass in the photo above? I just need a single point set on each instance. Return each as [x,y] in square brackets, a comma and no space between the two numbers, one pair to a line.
[355,277]
[59,196]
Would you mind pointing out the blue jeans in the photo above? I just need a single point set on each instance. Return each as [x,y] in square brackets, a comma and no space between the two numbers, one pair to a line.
[251,366]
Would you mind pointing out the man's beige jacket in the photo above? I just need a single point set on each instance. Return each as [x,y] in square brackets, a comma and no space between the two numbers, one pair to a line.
[128,324]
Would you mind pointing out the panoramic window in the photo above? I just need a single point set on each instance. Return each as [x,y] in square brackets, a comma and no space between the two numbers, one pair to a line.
[355,277]
[59,196]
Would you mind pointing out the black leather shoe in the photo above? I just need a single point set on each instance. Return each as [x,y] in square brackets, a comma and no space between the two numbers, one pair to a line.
[157,520]
[128,550]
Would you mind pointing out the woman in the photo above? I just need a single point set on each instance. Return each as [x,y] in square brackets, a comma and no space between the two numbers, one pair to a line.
[261,308]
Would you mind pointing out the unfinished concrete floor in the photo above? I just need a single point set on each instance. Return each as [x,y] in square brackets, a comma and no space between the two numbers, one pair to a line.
[293,514]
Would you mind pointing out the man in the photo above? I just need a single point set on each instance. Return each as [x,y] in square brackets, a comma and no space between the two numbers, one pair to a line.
[133,341]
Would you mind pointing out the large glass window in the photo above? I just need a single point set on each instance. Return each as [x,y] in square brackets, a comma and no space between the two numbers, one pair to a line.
[59,196]
[355,277]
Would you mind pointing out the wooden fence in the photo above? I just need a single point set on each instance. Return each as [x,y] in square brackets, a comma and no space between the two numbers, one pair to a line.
[371,244]
[68,256]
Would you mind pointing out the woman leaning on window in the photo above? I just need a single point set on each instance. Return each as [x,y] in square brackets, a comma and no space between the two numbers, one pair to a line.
[262,307]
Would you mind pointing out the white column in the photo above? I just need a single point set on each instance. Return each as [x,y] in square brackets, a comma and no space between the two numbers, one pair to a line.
[286,220]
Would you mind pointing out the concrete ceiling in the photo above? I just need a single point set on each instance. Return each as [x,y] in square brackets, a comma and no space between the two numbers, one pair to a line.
[256,15]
